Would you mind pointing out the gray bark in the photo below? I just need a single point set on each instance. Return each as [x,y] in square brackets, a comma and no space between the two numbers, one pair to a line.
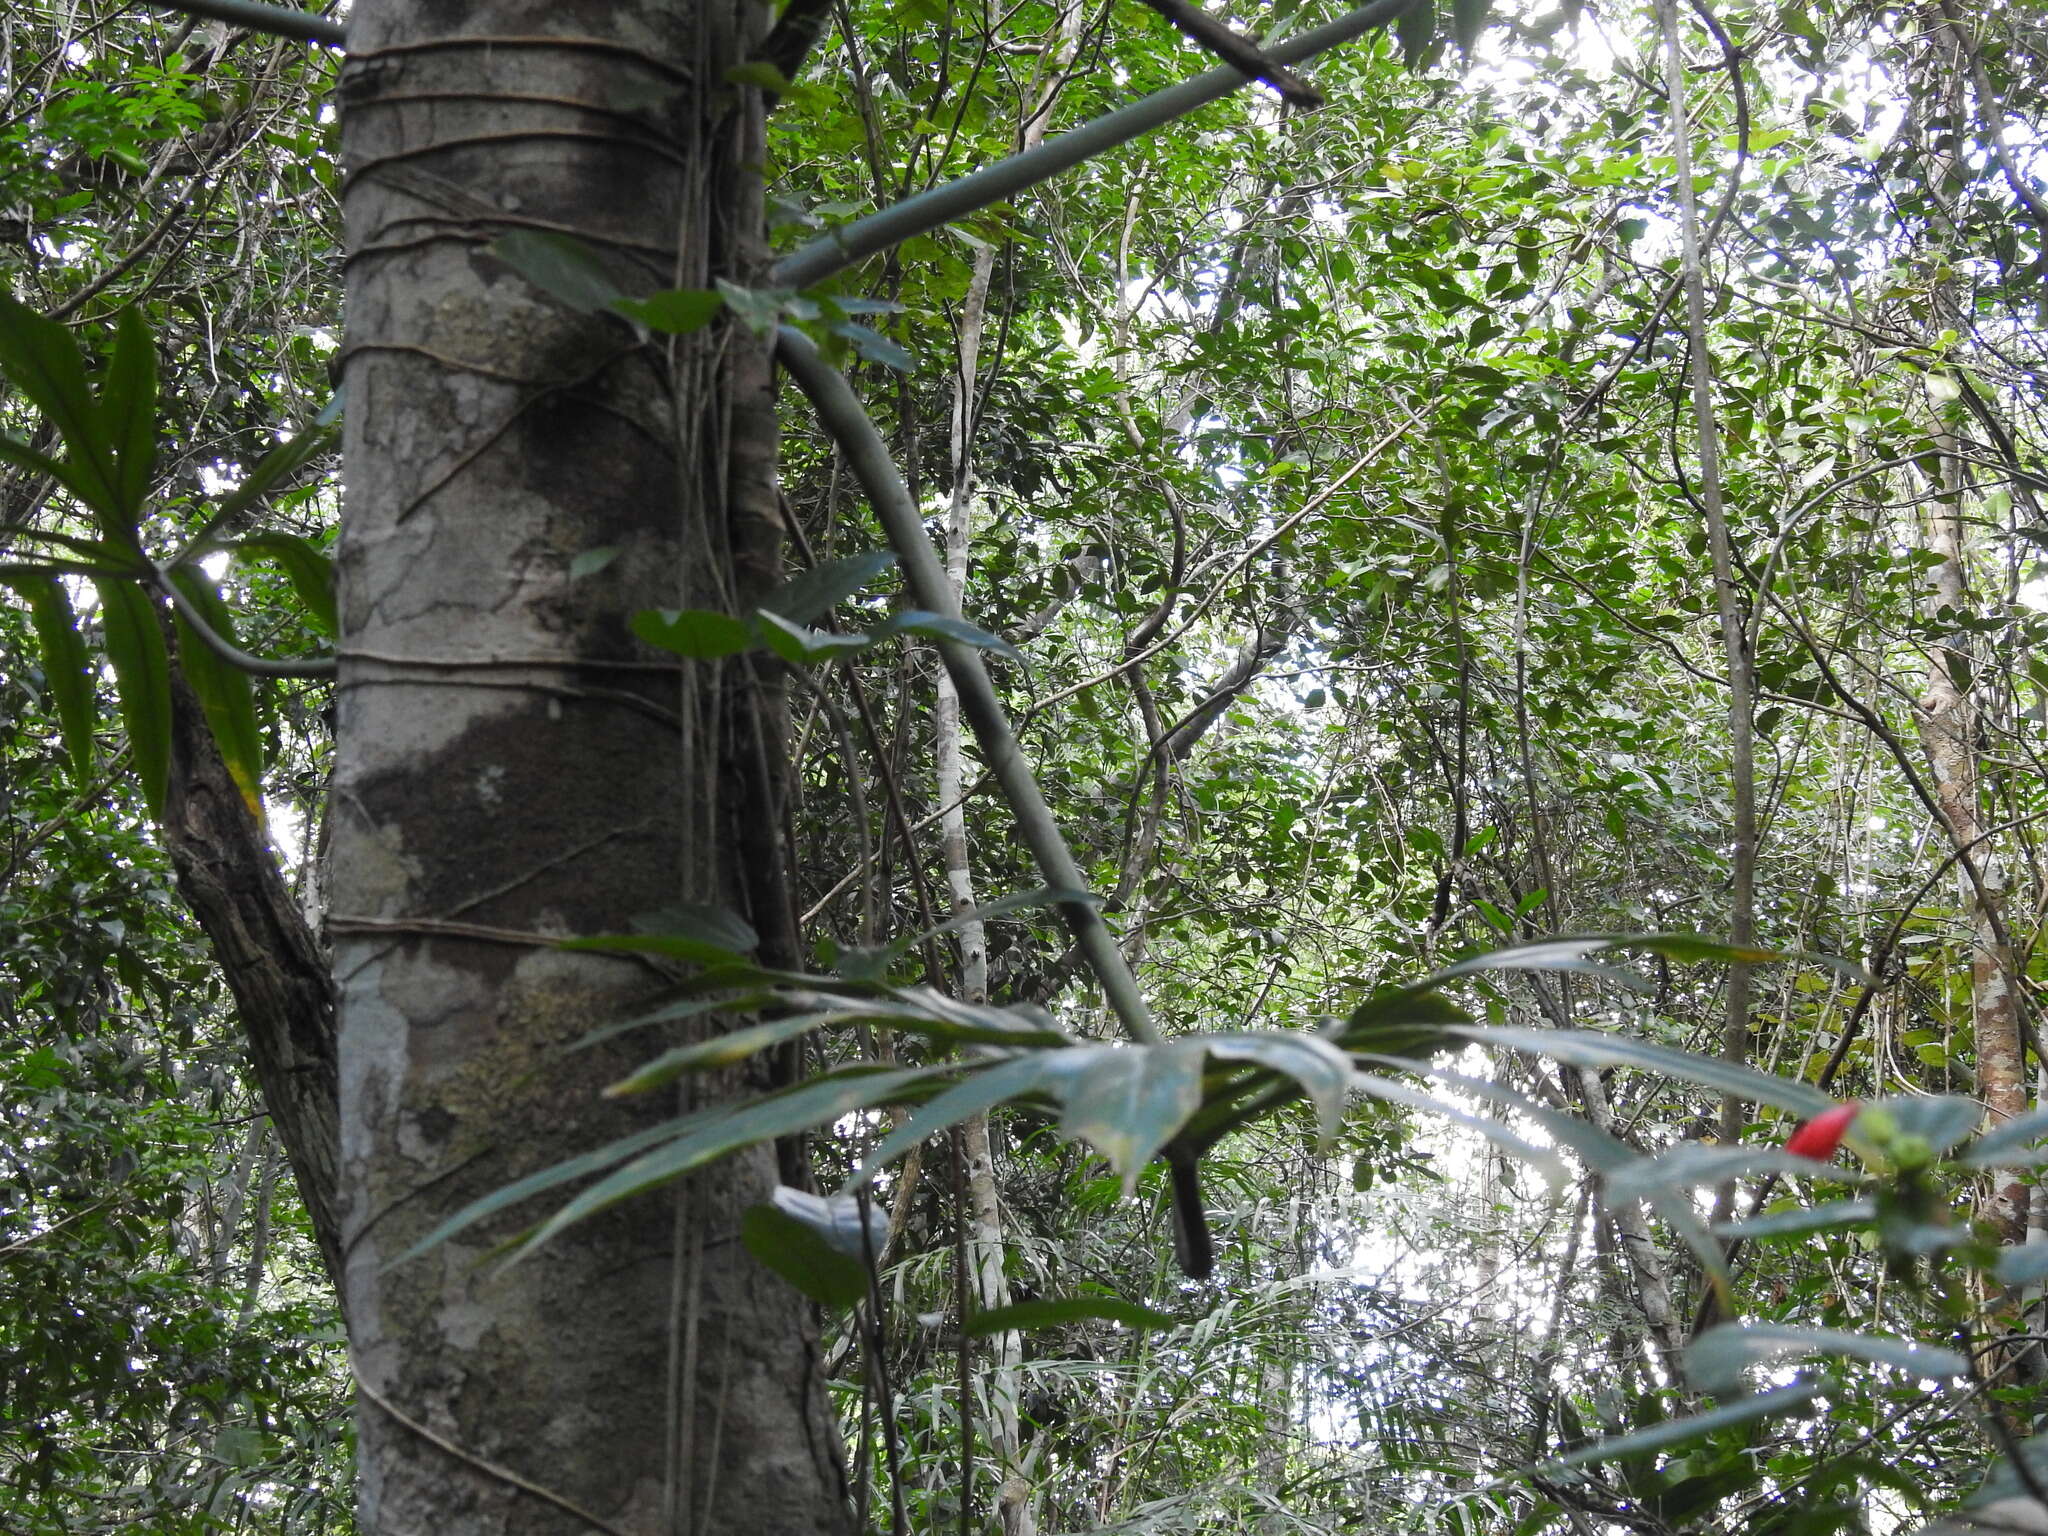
[511,765]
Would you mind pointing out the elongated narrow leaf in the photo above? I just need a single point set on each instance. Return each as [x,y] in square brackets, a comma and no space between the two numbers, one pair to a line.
[1695,1165]
[1798,1222]
[980,1091]
[707,935]
[784,1114]
[42,359]
[1542,1159]
[1024,1316]
[1563,954]
[938,626]
[1590,1048]
[142,682]
[2010,1145]
[285,459]
[225,694]
[560,266]
[693,1008]
[596,1161]
[1676,1432]
[1323,1070]
[128,403]
[810,595]
[1716,1359]
[1127,1101]
[726,1050]
[17,453]
[2027,1265]
[1399,1021]
[66,671]
[306,567]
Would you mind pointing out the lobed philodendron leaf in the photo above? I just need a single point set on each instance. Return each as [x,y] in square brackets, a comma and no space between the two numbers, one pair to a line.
[816,1242]
[1716,1359]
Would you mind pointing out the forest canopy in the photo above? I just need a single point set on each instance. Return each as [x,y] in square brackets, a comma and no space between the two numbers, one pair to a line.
[920,767]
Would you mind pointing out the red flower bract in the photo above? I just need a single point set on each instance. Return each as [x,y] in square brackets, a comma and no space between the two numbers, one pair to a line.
[1821,1135]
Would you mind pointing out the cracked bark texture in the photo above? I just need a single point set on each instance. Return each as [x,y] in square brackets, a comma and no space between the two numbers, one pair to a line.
[508,758]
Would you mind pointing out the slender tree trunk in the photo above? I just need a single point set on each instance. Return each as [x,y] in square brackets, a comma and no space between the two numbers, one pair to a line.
[1948,707]
[511,766]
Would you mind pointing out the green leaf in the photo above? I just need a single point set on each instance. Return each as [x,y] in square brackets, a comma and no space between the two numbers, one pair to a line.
[226,696]
[723,1050]
[142,683]
[815,1242]
[801,646]
[1828,1217]
[128,403]
[698,633]
[674,311]
[692,1008]
[1542,1159]
[590,561]
[759,309]
[810,595]
[1716,1359]
[2009,1145]
[1560,954]
[306,567]
[1941,1120]
[2027,1265]
[595,1161]
[1676,1432]
[1697,1165]
[66,671]
[559,265]
[1024,1316]
[284,459]
[980,1091]
[705,934]
[42,359]
[1323,1070]
[938,626]
[877,962]
[761,74]
[1127,1101]
[800,1109]
[874,346]
[1590,1048]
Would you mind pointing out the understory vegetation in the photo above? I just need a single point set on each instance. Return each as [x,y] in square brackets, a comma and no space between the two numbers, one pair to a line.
[1523,589]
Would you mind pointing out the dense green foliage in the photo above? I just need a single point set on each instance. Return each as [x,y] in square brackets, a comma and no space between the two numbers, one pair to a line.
[1337,478]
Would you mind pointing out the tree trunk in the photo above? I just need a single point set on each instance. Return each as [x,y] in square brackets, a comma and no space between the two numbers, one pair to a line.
[512,766]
